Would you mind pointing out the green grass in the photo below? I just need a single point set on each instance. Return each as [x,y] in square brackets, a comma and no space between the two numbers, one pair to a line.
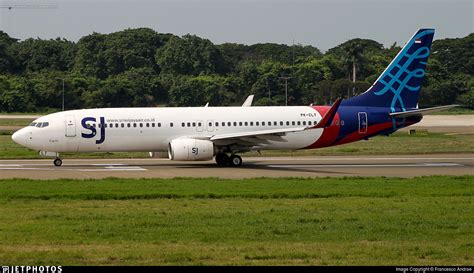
[455,111]
[15,122]
[323,221]
[398,143]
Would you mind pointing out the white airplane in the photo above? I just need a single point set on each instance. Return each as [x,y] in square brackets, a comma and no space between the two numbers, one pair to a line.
[202,133]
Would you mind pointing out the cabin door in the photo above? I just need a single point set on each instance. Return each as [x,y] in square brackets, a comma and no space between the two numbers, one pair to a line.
[362,122]
[70,124]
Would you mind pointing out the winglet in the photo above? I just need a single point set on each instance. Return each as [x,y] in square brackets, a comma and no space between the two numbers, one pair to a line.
[329,116]
[248,101]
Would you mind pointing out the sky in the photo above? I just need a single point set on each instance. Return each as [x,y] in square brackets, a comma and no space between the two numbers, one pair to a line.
[320,23]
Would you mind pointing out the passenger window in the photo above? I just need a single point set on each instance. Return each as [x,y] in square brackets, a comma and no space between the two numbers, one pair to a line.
[246,123]
[275,123]
[116,125]
[281,123]
[304,122]
[251,123]
[159,124]
[269,123]
[240,123]
[293,123]
[210,124]
[263,123]
[194,124]
[217,124]
[93,125]
[148,125]
[199,124]
[299,123]
[171,124]
[182,124]
[287,123]
[229,123]
[235,123]
[223,123]
[153,125]
[134,125]
[189,124]
[256,123]
[122,125]
[105,125]
[99,125]
[128,125]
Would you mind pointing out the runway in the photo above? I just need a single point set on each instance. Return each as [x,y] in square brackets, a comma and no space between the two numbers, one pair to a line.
[402,166]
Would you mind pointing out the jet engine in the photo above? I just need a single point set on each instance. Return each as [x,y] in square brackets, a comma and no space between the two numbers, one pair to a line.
[189,149]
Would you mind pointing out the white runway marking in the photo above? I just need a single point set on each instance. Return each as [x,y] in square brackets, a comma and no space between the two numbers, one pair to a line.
[101,168]
[368,165]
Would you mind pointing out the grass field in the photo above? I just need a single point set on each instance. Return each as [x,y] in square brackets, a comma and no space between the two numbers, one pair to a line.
[324,221]
[15,122]
[398,143]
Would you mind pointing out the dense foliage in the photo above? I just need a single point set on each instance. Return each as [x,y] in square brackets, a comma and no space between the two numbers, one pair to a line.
[140,67]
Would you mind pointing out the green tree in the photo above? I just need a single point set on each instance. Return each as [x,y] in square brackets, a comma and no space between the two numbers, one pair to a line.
[35,55]
[14,95]
[190,55]
[137,87]
[7,59]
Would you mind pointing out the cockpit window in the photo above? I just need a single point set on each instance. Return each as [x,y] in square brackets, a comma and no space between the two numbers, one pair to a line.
[40,124]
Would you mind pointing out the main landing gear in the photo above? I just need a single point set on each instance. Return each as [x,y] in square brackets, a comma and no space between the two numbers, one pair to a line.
[57,162]
[223,160]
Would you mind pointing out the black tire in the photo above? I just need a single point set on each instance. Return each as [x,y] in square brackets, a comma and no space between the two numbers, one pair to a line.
[57,162]
[235,161]
[222,160]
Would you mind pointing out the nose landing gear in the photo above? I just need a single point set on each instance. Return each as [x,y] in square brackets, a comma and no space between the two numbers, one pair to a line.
[57,162]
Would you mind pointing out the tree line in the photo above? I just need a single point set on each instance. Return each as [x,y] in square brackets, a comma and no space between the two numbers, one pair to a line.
[141,67]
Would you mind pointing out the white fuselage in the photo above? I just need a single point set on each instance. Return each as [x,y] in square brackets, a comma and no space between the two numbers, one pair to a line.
[152,129]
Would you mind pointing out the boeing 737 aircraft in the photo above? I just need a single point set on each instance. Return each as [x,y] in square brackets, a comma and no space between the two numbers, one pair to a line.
[202,133]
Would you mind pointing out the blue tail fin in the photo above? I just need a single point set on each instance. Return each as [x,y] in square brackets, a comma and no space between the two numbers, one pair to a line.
[398,87]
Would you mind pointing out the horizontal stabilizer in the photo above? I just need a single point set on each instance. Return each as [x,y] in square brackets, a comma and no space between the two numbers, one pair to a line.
[329,116]
[421,112]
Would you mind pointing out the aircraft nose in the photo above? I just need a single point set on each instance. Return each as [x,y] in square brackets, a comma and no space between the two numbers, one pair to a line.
[20,136]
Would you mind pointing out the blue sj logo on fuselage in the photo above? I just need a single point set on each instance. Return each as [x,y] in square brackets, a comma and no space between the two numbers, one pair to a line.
[92,129]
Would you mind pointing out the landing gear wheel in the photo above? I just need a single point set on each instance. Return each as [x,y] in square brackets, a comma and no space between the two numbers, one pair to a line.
[235,161]
[58,162]
[222,160]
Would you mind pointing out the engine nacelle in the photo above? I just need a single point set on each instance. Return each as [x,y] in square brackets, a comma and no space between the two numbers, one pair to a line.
[188,149]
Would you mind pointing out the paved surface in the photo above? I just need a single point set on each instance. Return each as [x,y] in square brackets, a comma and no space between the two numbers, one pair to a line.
[403,165]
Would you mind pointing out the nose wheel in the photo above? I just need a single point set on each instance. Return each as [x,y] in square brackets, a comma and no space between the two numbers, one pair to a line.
[57,162]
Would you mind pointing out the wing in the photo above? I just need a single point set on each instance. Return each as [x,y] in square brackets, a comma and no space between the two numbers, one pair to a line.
[262,137]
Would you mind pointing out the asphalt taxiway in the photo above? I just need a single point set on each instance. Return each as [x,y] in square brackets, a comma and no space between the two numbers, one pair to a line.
[401,165]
